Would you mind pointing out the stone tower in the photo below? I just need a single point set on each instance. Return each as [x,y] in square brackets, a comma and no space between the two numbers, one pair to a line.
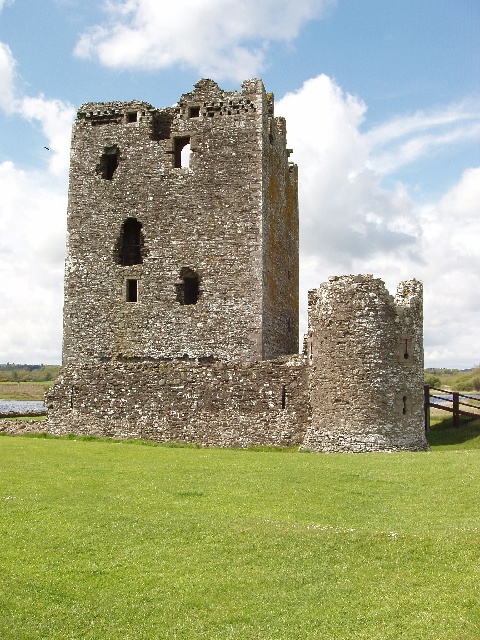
[181,292]
[365,355]
[182,231]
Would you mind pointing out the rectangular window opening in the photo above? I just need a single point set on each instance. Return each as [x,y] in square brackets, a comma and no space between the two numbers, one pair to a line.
[181,152]
[194,112]
[132,116]
[132,291]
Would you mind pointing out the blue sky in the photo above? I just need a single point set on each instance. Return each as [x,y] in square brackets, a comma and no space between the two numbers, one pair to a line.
[382,100]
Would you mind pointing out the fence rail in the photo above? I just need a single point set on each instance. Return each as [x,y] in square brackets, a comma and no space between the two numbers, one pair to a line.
[454,405]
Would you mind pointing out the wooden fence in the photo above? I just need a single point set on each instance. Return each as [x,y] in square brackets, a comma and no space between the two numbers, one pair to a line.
[451,401]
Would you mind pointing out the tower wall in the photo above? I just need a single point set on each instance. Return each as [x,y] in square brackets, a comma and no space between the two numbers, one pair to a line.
[365,355]
[219,219]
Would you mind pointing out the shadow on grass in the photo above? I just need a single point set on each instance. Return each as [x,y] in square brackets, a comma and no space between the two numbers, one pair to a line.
[443,433]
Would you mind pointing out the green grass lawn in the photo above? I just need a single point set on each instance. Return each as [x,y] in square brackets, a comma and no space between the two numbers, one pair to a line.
[106,540]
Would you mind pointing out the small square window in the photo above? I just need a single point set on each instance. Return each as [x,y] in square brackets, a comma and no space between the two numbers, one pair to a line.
[132,291]
[193,112]
[132,116]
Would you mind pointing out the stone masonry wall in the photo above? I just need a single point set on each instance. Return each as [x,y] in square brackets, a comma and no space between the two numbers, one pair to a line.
[220,404]
[207,219]
[365,354]
[181,292]
[280,244]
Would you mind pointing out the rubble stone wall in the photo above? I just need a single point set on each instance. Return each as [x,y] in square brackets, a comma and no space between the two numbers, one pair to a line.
[218,404]
[365,355]
[181,292]
[208,219]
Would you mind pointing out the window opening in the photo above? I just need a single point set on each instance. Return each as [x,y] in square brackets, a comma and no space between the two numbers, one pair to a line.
[132,291]
[108,162]
[188,287]
[406,355]
[284,396]
[404,410]
[181,153]
[130,243]
[132,116]
[194,112]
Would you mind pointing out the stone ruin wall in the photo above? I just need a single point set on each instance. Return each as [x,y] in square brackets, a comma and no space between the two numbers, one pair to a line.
[231,217]
[218,372]
[365,360]
[358,387]
[280,242]
[219,404]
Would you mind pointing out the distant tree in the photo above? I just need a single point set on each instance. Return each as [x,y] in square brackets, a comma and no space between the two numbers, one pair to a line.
[431,380]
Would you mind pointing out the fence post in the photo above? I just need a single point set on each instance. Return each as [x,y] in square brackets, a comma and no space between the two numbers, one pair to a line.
[456,408]
[426,406]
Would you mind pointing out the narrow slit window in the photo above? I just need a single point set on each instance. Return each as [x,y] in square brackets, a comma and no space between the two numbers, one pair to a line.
[108,162]
[284,396]
[132,290]
[404,409]
[181,153]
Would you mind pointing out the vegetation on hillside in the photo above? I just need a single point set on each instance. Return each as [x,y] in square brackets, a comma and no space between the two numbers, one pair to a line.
[455,379]
[28,372]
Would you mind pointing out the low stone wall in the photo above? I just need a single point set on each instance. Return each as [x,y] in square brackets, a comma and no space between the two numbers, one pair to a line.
[212,404]
[17,427]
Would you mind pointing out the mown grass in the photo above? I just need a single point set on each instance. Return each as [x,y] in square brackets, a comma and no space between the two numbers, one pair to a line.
[443,435]
[102,541]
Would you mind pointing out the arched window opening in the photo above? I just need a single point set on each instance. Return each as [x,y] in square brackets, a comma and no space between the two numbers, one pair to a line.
[108,162]
[181,153]
[188,286]
[130,243]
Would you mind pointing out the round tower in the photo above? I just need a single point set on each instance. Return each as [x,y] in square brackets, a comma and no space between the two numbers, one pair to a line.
[365,355]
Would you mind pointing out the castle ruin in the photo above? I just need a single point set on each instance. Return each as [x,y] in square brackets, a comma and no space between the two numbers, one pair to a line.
[181,292]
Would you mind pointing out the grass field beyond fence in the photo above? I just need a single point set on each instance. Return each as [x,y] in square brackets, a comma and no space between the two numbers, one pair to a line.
[105,540]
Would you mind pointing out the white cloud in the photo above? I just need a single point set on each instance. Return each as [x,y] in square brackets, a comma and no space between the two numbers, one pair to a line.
[218,38]
[345,212]
[351,224]
[32,240]
[55,117]
[56,120]
[7,73]
[32,230]
[5,3]
[406,139]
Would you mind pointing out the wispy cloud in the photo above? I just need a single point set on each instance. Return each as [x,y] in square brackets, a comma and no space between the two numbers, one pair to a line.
[7,74]
[404,140]
[5,3]
[218,38]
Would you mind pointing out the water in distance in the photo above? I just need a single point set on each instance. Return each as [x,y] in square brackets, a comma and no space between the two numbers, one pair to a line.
[21,405]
